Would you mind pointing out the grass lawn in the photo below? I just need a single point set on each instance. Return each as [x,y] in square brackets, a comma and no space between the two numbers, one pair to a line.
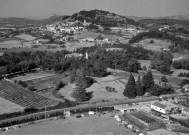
[9,107]
[72,126]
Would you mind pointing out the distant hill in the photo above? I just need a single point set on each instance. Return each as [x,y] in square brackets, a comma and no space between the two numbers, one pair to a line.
[103,18]
[25,21]
[177,17]
[136,18]
[154,23]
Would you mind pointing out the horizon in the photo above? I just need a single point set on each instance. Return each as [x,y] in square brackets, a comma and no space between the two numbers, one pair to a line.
[40,9]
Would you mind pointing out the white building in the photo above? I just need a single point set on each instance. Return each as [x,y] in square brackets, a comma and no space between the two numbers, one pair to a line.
[186,88]
[164,107]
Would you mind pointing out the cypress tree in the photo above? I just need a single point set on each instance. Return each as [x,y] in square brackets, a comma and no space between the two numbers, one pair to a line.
[139,89]
[80,94]
[148,81]
[130,88]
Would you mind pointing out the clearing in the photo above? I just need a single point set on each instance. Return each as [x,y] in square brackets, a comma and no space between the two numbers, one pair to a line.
[9,107]
[32,76]
[156,46]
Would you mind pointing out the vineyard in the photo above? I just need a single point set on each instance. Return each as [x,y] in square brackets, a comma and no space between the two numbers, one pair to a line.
[23,97]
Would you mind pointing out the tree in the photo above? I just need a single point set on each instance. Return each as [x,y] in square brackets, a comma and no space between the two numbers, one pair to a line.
[130,88]
[80,94]
[73,75]
[139,89]
[148,81]
[156,90]
[60,85]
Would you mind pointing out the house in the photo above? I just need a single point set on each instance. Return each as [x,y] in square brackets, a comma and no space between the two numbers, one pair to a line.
[90,39]
[74,55]
[186,88]
[91,113]
[164,107]
[182,99]
[67,113]
[185,111]
[124,108]
[179,58]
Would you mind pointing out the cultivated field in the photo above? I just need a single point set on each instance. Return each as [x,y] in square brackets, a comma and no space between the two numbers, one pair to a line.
[9,107]
[23,97]
[156,46]
[71,46]
[95,125]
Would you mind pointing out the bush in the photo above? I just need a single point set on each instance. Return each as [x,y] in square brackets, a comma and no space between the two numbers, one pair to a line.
[144,68]
[151,41]
[31,88]
[60,85]
[110,89]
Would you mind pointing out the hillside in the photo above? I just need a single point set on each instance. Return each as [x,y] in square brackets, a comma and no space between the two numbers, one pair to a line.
[25,21]
[103,18]
[154,23]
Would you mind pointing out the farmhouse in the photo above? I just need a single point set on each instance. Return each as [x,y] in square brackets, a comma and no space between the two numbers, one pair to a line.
[186,87]
[164,107]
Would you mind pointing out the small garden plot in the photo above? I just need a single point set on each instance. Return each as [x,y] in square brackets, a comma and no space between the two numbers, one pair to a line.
[144,117]
[135,121]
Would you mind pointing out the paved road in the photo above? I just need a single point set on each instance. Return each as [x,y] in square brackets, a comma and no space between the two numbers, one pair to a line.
[143,99]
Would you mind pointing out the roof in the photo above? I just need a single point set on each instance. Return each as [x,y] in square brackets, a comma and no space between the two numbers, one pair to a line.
[158,104]
[164,104]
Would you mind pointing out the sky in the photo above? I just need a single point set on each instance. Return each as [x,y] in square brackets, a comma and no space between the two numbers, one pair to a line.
[46,8]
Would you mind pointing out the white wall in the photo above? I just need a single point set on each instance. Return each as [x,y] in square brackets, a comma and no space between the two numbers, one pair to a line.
[158,109]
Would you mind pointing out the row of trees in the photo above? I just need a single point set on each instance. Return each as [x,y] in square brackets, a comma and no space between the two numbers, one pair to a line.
[181,64]
[145,85]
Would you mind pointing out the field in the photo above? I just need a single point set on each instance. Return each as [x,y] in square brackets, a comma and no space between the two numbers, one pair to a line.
[156,46]
[103,125]
[71,46]
[144,117]
[23,97]
[9,107]
[32,76]
[11,44]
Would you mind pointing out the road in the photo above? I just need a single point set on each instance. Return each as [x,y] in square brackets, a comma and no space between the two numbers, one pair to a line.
[143,99]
